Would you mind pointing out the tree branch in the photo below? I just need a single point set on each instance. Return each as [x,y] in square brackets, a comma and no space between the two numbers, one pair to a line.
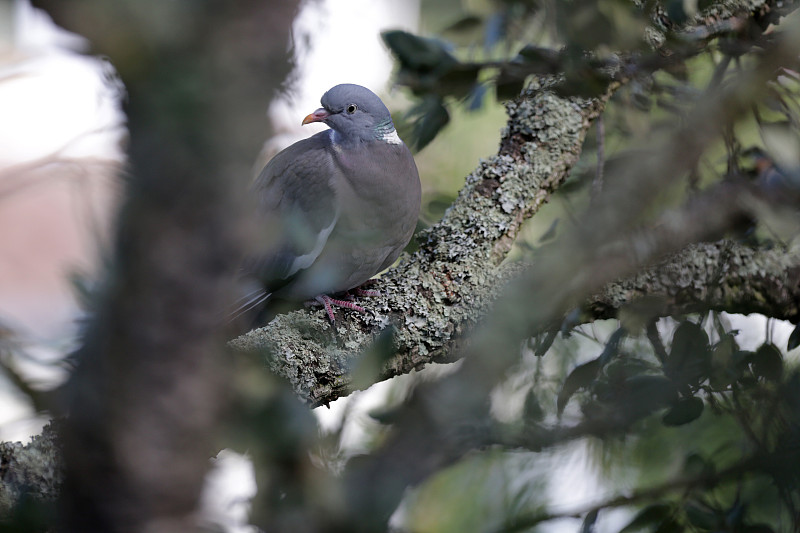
[724,276]
[685,484]
[35,469]
[433,297]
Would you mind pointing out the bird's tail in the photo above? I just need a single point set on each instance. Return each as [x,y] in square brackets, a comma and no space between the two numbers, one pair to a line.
[249,304]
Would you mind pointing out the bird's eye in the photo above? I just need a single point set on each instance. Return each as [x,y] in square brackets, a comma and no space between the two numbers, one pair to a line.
[351,108]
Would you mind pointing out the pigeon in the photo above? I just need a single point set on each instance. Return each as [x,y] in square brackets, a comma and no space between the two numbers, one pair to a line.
[334,209]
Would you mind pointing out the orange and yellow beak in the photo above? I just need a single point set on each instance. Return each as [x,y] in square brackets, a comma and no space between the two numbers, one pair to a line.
[317,116]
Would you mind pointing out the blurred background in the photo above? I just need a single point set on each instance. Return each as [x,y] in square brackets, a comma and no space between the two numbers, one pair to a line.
[63,141]
[62,147]
[61,151]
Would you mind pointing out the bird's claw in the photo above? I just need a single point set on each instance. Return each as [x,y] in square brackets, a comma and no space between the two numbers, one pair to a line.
[329,302]
[347,303]
[366,292]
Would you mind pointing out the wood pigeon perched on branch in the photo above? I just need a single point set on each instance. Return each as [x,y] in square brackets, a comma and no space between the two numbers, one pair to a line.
[334,209]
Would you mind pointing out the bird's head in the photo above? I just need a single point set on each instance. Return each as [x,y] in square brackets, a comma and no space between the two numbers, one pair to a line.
[354,112]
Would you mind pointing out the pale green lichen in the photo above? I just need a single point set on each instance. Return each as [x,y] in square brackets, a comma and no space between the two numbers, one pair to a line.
[34,469]
[725,275]
[434,296]
[725,10]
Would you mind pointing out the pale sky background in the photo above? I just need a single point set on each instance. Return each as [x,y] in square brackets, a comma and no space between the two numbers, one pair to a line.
[53,100]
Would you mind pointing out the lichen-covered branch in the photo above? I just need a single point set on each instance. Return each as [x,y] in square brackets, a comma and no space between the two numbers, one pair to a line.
[725,275]
[433,297]
[35,469]
[428,430]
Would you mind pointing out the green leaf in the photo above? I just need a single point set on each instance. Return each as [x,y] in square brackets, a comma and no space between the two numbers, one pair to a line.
[459,80]
[539,60]
[768,362]
[580,377]
[428,118]
[689,358]
[612,346]
[687,338]
[546,343]
[624,368]
[418,53]
[742,359]
[646,393]
[589,521]
[794,339]
[684,411]
[583,82]
[650,516]
[467,23]
[700,516]
[508,84]
[476,97]
[385,415]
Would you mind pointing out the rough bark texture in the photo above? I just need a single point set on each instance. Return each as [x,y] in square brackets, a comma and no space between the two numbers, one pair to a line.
[35,469]
[147,397]
[433,297]
[725,276]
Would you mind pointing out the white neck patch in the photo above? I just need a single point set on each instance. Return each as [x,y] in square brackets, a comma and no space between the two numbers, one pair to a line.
[334,140]
[391,137]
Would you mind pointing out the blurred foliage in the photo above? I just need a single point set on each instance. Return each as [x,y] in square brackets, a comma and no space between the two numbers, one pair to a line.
[440,73]
[702,418]
[711,434]
[697,433]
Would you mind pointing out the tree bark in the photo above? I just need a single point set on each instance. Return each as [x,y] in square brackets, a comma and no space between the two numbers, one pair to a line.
[434,297]
[147,398]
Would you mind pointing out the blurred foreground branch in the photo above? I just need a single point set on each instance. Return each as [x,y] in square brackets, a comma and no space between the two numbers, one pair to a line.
[149,389]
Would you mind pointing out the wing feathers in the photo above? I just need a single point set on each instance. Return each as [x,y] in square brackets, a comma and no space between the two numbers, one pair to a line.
[298,204]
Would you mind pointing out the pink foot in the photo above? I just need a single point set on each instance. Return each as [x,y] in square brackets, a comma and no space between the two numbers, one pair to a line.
[366,292]
[329,302]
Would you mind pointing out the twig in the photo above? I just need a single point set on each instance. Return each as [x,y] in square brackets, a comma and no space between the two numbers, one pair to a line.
[686,483]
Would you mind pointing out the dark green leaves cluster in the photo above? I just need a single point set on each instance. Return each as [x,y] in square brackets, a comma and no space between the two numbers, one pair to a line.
[693,515]
[636,386]
[627,383]
[577,43]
